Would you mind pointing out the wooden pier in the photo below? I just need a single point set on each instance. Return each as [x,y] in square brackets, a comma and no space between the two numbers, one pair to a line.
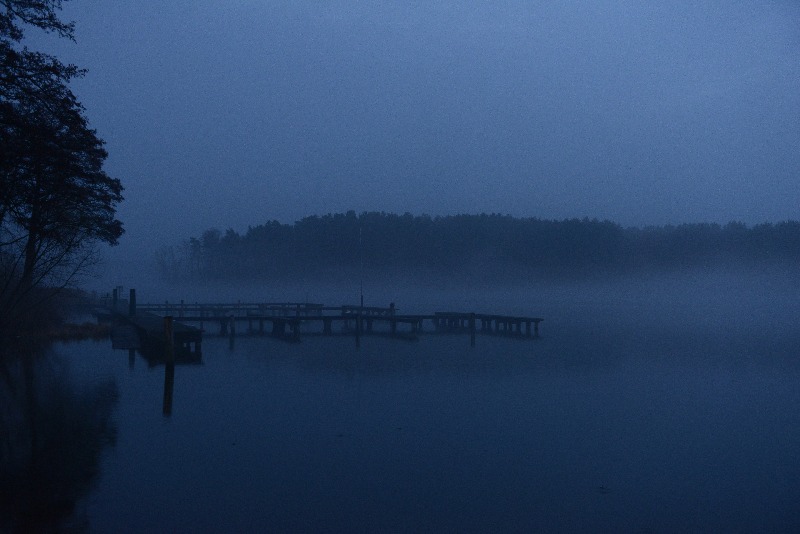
[285,319]
[159,336]
[291,320]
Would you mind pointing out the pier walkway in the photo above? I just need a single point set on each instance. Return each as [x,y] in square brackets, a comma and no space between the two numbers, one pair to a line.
[290,320]
[286,318]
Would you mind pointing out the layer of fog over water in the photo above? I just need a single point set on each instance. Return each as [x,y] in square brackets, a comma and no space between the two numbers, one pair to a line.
[647,405]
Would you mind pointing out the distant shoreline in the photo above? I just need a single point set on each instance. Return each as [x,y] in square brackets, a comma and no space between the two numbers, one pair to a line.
[490,247]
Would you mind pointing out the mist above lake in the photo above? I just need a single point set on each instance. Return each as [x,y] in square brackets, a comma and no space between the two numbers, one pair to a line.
[647,404]
[720,295]
[661,401]
[530,147]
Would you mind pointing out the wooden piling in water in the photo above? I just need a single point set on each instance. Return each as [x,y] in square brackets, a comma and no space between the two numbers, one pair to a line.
[286,320]
[169,385]
[472,329]
[278,327]
[358,329]
[169,340]
[132,303]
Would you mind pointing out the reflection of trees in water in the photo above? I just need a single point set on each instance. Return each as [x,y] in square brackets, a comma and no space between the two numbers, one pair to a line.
[52,434]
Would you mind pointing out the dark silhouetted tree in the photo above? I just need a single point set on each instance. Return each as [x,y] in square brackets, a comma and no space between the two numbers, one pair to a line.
[56,202]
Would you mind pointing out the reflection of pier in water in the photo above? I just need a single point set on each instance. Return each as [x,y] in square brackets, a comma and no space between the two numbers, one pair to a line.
[126,336]
[160,333]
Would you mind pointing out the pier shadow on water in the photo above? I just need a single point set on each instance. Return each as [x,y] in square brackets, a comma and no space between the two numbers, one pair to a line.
[52,435]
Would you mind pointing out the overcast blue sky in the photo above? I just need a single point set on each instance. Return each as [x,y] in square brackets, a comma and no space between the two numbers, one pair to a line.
[227,113]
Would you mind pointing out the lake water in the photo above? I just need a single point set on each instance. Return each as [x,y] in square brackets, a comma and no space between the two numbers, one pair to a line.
[644,408]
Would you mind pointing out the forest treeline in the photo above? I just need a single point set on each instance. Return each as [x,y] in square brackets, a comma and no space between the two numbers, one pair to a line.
[499,246]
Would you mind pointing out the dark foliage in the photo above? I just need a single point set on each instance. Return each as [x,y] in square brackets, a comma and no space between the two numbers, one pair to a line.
[42,14]
[56,201]
[499,246]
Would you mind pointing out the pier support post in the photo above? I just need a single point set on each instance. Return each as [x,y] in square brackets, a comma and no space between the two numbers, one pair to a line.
[169,340]
[169,385]
[358,330]
[472,329]
[169,367]
[132,303]
[278,327]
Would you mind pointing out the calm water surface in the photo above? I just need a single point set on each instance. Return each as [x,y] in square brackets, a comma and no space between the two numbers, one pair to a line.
[611,422]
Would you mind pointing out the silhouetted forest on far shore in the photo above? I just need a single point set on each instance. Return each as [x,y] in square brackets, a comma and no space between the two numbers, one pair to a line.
[497,246]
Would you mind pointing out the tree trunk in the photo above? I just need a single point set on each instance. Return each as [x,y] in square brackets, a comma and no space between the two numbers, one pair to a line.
[29,265]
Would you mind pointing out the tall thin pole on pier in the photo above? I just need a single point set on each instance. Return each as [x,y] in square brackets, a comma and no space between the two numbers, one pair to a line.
[361,261]
[361,286]
[169,365]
